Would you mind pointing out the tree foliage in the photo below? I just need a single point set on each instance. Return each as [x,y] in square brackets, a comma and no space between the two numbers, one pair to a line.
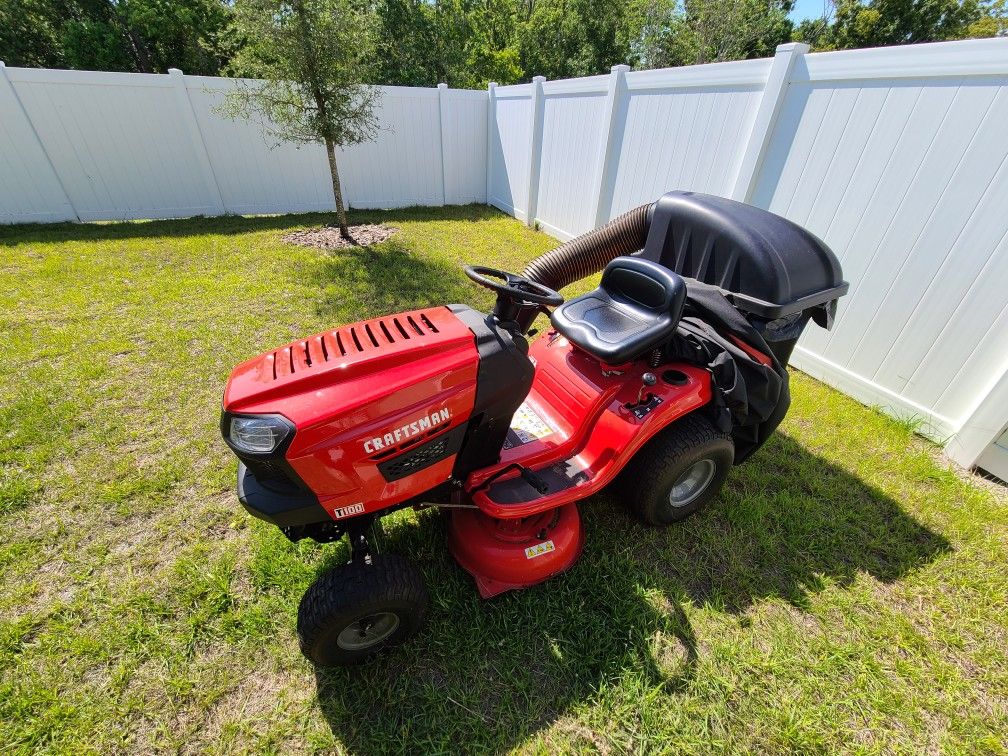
[312,56]
[855,23]
[690,32]
[565,38]
[117,35]
[468,43]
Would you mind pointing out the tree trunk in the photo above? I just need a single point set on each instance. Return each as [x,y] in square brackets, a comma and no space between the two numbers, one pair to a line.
[337,192]
[137,48]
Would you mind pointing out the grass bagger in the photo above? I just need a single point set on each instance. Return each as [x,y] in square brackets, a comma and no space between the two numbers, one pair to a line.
[656,383]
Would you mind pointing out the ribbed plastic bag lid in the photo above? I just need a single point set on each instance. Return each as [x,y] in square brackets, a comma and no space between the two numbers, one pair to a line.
[765,264]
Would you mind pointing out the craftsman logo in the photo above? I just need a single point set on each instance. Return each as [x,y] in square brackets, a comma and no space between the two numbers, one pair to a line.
[342,512]
[393,437]
[539,549]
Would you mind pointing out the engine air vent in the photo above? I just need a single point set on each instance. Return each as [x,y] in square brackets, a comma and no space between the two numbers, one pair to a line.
[350,340]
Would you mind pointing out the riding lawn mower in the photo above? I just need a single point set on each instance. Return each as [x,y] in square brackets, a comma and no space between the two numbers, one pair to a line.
[654,383]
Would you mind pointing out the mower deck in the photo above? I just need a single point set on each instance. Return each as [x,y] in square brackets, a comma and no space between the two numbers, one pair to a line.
[503,555]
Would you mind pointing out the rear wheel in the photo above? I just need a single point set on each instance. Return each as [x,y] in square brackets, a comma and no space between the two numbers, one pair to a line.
[679,471]
[354,611]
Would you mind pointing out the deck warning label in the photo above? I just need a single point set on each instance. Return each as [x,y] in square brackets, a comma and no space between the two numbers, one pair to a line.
[526,426]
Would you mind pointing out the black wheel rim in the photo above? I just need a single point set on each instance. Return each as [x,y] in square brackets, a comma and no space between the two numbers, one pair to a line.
[368,631]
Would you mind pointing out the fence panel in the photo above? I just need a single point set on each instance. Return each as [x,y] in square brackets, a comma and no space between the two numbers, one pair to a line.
[510,136]
[402,165]
[464,131]
[905,176]
[117,141]
[98,146]
[573,126]
[256,174]
[683,129]
[30,187]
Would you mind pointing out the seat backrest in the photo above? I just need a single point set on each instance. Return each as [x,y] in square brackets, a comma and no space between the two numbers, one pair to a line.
[635,309]
[641,283]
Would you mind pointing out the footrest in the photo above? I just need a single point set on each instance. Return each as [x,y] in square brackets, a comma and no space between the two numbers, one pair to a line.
[559,477]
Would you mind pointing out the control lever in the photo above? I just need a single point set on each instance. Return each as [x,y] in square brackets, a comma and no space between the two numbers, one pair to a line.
[649,379]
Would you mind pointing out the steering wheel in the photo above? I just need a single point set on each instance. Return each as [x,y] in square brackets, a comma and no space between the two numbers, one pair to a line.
[514,287]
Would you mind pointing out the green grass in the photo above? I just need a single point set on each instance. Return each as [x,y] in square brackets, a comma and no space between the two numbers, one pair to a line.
[846,592]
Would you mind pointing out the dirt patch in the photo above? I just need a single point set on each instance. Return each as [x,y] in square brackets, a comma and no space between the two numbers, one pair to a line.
[328,237]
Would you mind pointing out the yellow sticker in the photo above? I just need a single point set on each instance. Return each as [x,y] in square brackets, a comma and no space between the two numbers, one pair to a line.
[539,549]
[527,425]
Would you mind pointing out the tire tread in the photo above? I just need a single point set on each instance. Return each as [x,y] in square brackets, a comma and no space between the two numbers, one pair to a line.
[389,577]
[681,440]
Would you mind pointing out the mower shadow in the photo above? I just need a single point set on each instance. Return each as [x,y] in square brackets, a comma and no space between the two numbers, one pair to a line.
[229,225]
[486,675]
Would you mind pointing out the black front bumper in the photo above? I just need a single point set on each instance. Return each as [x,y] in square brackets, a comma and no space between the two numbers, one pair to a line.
[283,509]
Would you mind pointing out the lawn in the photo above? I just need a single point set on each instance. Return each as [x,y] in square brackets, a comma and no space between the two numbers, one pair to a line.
[848,591]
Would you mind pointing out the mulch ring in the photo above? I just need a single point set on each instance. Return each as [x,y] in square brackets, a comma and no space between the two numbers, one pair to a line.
[328,237]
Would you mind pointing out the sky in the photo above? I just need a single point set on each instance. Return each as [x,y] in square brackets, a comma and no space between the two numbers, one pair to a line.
[808,9]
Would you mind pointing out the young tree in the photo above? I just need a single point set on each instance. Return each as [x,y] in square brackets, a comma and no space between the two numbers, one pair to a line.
[312,56]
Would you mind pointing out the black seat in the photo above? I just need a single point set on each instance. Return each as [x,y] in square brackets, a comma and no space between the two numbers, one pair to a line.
[635,308]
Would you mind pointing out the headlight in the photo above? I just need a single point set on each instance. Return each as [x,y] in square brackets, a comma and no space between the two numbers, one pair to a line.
[257,435]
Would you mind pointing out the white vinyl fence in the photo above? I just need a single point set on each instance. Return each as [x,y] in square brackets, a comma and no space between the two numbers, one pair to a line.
[84,145]
[896,157]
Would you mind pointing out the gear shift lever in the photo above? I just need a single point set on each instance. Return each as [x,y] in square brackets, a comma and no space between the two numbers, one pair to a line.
[649,380]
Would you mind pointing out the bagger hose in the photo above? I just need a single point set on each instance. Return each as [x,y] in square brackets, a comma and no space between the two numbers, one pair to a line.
[591,252]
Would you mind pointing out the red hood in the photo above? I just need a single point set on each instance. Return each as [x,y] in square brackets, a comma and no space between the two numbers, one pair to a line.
[342,356]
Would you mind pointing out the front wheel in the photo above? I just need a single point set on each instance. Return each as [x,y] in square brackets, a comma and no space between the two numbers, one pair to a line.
[679,470]
[354,611]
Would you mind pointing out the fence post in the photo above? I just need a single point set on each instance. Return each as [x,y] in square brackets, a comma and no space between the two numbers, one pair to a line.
[766,118]
[603,171]
[491,125]
[5,84]
[535,151]
[196,138]
[442,91]
[981,426]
